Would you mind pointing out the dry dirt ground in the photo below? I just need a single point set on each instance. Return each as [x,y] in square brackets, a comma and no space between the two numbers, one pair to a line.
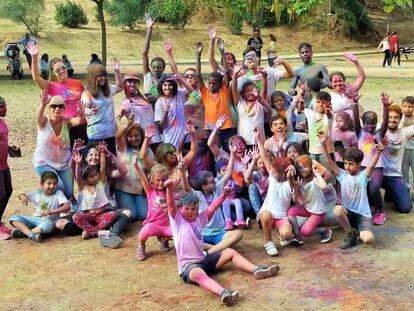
[66,273]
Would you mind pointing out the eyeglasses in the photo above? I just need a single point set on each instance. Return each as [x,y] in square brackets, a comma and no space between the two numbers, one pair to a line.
[189,75]
[57,106]
[250,56]
[59,70]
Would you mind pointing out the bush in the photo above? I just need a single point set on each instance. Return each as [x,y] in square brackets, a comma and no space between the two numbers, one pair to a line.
[29,13]
[174,12]
[207,11]
[70,15]
[126,13]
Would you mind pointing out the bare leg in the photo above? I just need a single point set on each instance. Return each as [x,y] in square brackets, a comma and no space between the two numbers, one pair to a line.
[340,214]
[197,275]
[238,260]
[229,239]
[266,219]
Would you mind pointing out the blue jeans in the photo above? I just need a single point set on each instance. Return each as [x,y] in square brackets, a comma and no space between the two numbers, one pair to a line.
[255,197]
[136,203]
[46,226]
[396,190]
[65,179]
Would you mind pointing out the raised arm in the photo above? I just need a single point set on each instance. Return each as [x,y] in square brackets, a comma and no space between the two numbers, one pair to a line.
[378,149]
[361,73]
[145,60]
[357,121]
[334,168]
[44,101]
[255,155]
[212,139]
[211,59]
[385,99]
[102,161]
[33,49]
[183,82]
[168,47]
[193,147]
[199,49]
[263,153]
[217,202]
[183,173]
[289,72]
[220,46]
[140,173]
[149,133]
[172,207]
[238,70]
[120,134]
[230,166]
[118,78]
[77,159]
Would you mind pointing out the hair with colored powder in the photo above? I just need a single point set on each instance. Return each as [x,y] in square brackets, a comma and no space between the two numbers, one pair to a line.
[163,150]
[349,124]
[158,59]
[281,164]
[95,71]
[245,86]
[88,170]
[158,169]
[305,159]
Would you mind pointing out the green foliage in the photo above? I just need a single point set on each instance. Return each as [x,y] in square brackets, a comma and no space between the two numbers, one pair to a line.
[390,5]
[235,12]
[30,13]
[126,13]
[174,12]
[290,9]
[207,11]
[70,15]
[351,17]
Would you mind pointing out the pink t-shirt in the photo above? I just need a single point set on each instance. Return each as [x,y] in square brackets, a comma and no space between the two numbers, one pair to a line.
[188,239]
[348,138]
[4,145]
[157,207]
[71,91]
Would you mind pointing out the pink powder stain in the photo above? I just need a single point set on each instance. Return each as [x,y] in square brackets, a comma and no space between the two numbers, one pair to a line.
[330,294]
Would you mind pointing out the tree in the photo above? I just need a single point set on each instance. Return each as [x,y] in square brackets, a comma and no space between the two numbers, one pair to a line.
[126,13]
[29,13]
[100,4]
[390,5]
[70,15]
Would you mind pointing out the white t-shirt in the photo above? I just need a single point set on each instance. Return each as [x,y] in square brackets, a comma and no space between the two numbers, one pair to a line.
[313,198]
[43,202]
[394,150]
[410,142]
[342,103]
[354,192]
[277,199]
[174,132]
[270,144]
[249,120]
[94,199]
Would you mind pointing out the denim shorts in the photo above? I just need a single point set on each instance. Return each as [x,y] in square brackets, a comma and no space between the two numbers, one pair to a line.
[46,226]
[214,239]
[208,264]
[359,222]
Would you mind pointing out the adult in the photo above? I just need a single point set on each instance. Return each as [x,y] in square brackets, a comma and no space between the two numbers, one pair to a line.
[68,65]
[385,44]
[271,50]
[394,48]
[344,93]
[44,66]
[25,42]
[309,69]
[59,84]
[256,43]
[393,182]
[95,59]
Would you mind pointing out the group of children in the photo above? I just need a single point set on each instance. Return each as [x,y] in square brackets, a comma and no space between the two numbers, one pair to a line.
[196,161]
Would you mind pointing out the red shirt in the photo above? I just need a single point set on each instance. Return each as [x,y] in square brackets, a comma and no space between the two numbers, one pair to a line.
[4,145]
[394,41]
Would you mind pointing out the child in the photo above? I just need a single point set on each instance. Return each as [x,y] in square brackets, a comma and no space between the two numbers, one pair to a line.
[354,215]
[343,136]
[274,209]
[156,223]
[93,215]
[6,188]
[225,168]
[280,103]
[408,119]
[49,202]
[368,137]
[193,265]
[312,203]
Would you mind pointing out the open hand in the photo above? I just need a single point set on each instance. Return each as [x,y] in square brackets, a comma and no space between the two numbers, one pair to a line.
[149,21]
[351,57]
[150,131]
[45,97]
[32,48]
[220,121]
[168,46]
[212,32]
[385,99]
[115,63]
[199,47]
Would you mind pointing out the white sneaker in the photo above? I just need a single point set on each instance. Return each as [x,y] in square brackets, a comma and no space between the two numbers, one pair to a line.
[284,242]
[271,249]
[103,233]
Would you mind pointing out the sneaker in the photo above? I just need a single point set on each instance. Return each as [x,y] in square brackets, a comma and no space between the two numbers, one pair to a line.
[240,223]
[263,272]
[271,249]
[140,253]
[111,241]
[296,240]
[326,235]
[37,237]
[17,234]
[228,225]
[104,233]
[389,67]
[85,235]
[164,245]
[248,222]
[229,297]
[378,218]
[285,242]
[350,240]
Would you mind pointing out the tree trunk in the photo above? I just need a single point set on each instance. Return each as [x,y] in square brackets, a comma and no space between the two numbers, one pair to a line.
[100,4]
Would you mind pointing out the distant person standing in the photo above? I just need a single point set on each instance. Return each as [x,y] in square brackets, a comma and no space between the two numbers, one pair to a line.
[68,65]
[25,41]
[385,43]
[394,45]
[271,50]
[256,43]
[95,59]
[44,66]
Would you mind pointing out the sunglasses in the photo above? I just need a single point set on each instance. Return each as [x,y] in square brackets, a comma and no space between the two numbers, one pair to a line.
[57,106]
[250,56]
[59,70]
[189,75]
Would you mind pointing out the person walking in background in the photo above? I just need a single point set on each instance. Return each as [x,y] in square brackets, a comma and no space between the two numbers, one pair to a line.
[256,43]
[385,43]
[44,66]
[394,46]
[271,49]
[68,65]
[25,41]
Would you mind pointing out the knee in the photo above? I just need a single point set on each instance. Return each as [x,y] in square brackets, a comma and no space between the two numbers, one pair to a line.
[367,237]
[234,236]
[339,211]
[285,232]
[47,228]
[61,223]
[266,217]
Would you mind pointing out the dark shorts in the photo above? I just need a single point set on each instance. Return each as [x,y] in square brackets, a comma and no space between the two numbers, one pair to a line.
[214,239]
[208,264]
[359,222]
